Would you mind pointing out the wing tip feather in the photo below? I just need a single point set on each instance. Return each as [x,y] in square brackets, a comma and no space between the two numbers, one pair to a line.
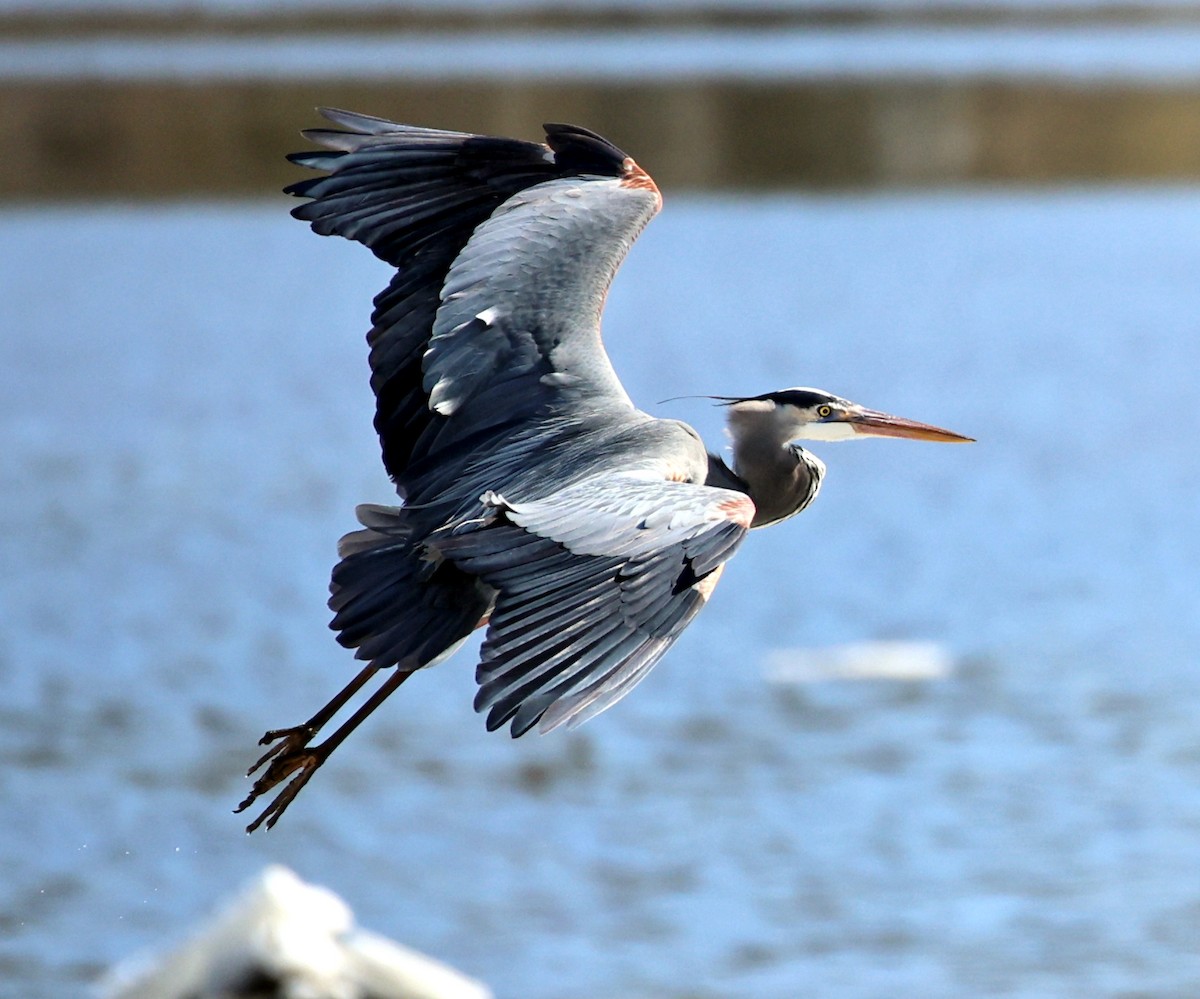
[581,150]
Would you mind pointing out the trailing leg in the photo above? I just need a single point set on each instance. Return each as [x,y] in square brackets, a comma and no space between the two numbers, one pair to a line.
[292,740]
[301,762]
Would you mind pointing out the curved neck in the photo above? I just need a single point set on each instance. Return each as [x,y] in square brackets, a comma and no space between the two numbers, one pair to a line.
[782,478]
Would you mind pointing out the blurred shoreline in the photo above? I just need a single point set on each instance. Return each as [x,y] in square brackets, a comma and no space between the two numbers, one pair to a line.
[206,100]
[122,139]
[263,18]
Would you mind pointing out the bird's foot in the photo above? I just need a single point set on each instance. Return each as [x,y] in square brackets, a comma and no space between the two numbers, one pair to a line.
[289,757]
[288,741]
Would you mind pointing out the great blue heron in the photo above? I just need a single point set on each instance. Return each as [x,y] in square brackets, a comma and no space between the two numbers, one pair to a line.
[537,499]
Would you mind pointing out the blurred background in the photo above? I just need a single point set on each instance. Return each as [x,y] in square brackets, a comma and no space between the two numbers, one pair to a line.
[978,214]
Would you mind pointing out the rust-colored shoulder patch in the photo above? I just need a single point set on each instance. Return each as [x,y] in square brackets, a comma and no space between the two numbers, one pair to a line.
[740,509]
[635,178]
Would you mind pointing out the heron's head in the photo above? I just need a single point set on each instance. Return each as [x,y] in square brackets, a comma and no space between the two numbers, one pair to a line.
[813,415]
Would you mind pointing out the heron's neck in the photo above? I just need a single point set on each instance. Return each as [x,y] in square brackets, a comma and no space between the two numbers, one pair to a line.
[782,478]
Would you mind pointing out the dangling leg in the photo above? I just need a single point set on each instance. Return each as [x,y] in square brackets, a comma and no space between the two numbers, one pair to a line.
[393,612]
[292,740]
[288,759]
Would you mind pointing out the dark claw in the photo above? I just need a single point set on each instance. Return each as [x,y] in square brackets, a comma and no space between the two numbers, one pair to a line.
[279,805]
[305,732]
[288,740]
[289,758]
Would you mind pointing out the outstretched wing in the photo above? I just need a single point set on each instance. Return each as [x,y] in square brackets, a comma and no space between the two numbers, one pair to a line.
[594,583]
[504,251]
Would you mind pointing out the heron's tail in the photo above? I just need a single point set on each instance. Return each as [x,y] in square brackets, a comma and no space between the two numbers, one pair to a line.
[394,604]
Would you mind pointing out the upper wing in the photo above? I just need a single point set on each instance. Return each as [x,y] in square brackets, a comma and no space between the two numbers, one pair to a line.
[593,585]
[504,252]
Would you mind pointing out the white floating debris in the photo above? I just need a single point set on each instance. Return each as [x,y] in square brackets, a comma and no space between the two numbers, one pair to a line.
[282,937]
[860,661]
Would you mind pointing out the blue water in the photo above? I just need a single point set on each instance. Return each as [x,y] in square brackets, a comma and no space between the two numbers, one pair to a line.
[185,427]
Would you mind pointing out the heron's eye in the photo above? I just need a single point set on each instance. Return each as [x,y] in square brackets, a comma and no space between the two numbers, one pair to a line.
[824,411]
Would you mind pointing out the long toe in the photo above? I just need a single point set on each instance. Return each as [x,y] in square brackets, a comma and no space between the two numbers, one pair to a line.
[287,742]
[299,766]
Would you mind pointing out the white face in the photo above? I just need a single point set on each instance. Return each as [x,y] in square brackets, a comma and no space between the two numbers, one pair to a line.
[836,431]
[756,420]
[809,423]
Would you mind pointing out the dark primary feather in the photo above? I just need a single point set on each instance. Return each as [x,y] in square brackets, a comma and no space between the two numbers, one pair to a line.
[580,150]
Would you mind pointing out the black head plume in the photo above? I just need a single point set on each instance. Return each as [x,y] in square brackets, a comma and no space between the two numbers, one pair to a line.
[801,398]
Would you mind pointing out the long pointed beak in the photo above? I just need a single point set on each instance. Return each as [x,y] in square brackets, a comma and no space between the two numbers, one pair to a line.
[872,423]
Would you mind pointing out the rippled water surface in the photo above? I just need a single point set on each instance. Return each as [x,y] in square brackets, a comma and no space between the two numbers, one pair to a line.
[186,428]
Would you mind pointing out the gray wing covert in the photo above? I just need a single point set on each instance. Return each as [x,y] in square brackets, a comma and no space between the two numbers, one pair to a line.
[594,583]
[517,333]
[419,198]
